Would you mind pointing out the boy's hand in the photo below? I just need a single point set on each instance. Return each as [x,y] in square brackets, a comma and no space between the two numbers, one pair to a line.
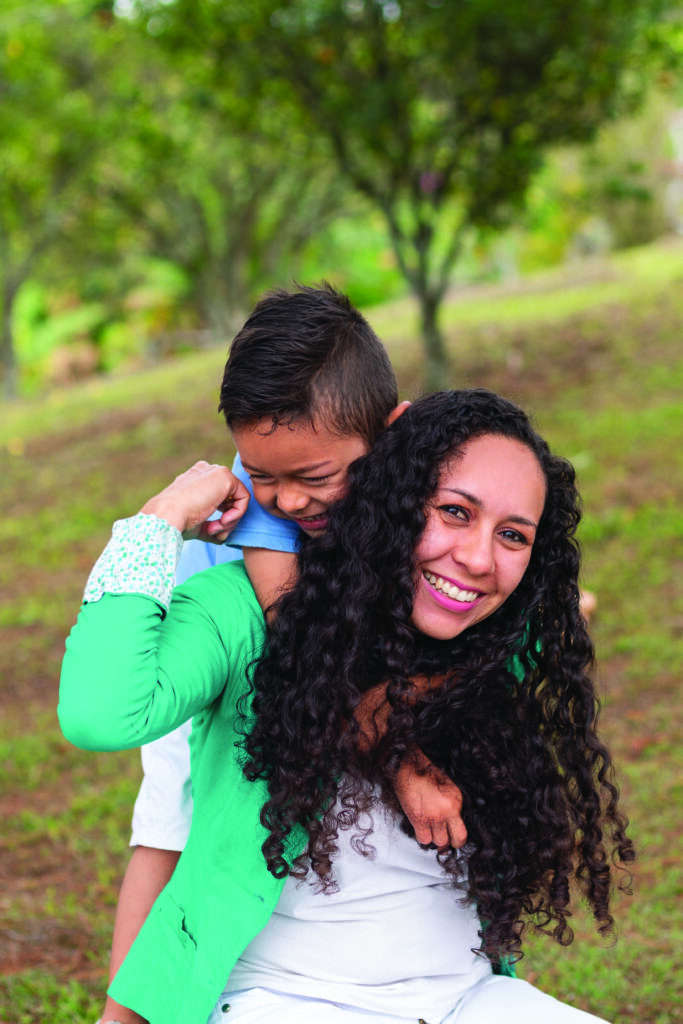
[431,802]
[195,495]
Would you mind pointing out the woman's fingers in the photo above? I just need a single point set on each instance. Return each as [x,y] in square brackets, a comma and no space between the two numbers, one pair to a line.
[195,495]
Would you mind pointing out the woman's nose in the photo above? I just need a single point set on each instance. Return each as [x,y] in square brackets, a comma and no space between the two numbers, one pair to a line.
[475,552]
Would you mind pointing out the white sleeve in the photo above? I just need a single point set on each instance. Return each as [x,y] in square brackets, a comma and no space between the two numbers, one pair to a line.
[163,810]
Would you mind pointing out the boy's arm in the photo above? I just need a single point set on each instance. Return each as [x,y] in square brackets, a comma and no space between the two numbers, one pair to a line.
[430,800]
[270,573]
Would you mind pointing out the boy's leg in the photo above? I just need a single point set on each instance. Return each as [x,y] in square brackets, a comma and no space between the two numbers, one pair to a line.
[161,824]
[146,875]
[515,1002]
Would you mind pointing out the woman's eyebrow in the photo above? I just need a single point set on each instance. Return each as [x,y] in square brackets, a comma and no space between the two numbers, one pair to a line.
[477,502]
[524,522]
[465,494]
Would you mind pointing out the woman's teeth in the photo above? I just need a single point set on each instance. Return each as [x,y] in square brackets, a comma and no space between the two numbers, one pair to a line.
[450,589]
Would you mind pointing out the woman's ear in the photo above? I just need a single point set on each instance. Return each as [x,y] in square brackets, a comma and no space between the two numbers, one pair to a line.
[395,413]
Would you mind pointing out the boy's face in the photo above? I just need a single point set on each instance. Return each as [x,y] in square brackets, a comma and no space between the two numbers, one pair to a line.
[297,471]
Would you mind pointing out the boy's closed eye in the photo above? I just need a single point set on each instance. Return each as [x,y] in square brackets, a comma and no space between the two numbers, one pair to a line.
[263,478]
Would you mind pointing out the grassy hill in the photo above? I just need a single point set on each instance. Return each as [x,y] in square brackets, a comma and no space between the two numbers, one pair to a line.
[596,353]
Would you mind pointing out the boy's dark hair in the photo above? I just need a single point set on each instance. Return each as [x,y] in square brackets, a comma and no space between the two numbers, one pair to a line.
[309,354]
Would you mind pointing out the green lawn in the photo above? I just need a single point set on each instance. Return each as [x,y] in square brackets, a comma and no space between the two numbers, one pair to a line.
[595,352]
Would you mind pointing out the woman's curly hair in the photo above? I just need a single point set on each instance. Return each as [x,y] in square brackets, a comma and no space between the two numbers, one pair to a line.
[510,712]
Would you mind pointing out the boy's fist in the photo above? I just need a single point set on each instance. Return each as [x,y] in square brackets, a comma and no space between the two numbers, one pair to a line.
[195,495]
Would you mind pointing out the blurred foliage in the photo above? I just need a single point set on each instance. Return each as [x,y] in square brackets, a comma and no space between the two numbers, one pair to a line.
[115,156]
[63,98]
[217,188]
[611,193]
[354,253]
[162,163]
[438,113]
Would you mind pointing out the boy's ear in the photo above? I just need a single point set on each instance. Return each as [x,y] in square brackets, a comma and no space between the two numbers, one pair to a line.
[395,413]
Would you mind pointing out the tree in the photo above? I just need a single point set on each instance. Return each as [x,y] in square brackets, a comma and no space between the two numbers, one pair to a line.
[215,186]
[110,152]
[438,111]
[59,112]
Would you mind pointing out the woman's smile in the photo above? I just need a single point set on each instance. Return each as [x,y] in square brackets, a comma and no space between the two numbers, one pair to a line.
[454,593]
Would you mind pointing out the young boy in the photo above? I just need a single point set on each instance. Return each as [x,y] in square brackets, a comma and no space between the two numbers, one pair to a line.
[307,389]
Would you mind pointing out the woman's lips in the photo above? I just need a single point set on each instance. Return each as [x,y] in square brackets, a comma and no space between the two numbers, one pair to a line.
[450,594]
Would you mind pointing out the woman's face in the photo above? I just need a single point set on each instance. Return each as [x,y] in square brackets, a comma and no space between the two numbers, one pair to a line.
[481,525]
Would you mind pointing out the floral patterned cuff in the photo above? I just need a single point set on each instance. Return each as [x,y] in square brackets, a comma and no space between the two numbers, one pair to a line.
[140,558]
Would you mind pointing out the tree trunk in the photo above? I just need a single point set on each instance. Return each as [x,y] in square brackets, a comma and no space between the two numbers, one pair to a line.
[8,363]
[437,370]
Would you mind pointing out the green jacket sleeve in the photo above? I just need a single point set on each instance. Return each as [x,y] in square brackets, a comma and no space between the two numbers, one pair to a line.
[133,672]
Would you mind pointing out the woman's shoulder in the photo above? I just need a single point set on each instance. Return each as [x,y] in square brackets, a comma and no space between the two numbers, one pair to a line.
[219,610]
[227,578]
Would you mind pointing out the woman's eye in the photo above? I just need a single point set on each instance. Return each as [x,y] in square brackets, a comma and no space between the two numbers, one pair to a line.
[514,537]
[316,479]
[455,512]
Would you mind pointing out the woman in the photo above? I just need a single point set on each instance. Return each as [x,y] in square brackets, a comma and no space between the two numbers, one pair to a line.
[445,587]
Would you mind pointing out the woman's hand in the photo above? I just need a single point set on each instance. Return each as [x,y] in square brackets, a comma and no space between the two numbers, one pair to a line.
[195,495]
[431,802]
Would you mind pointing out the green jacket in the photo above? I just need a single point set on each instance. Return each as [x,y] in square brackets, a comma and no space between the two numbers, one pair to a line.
[131,675]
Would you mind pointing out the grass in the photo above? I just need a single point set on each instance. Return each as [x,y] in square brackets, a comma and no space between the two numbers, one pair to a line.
[595,352]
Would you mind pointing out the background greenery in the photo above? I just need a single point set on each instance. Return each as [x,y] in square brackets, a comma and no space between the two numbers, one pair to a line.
[595,354]
[161,163]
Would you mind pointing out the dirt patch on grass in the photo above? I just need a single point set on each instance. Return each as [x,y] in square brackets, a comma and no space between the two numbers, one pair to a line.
[62,943]
[57,881]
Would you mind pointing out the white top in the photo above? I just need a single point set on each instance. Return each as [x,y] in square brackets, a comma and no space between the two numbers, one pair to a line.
[393,938]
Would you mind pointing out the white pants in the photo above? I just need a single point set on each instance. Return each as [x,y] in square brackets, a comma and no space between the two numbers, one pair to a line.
[494,1000]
